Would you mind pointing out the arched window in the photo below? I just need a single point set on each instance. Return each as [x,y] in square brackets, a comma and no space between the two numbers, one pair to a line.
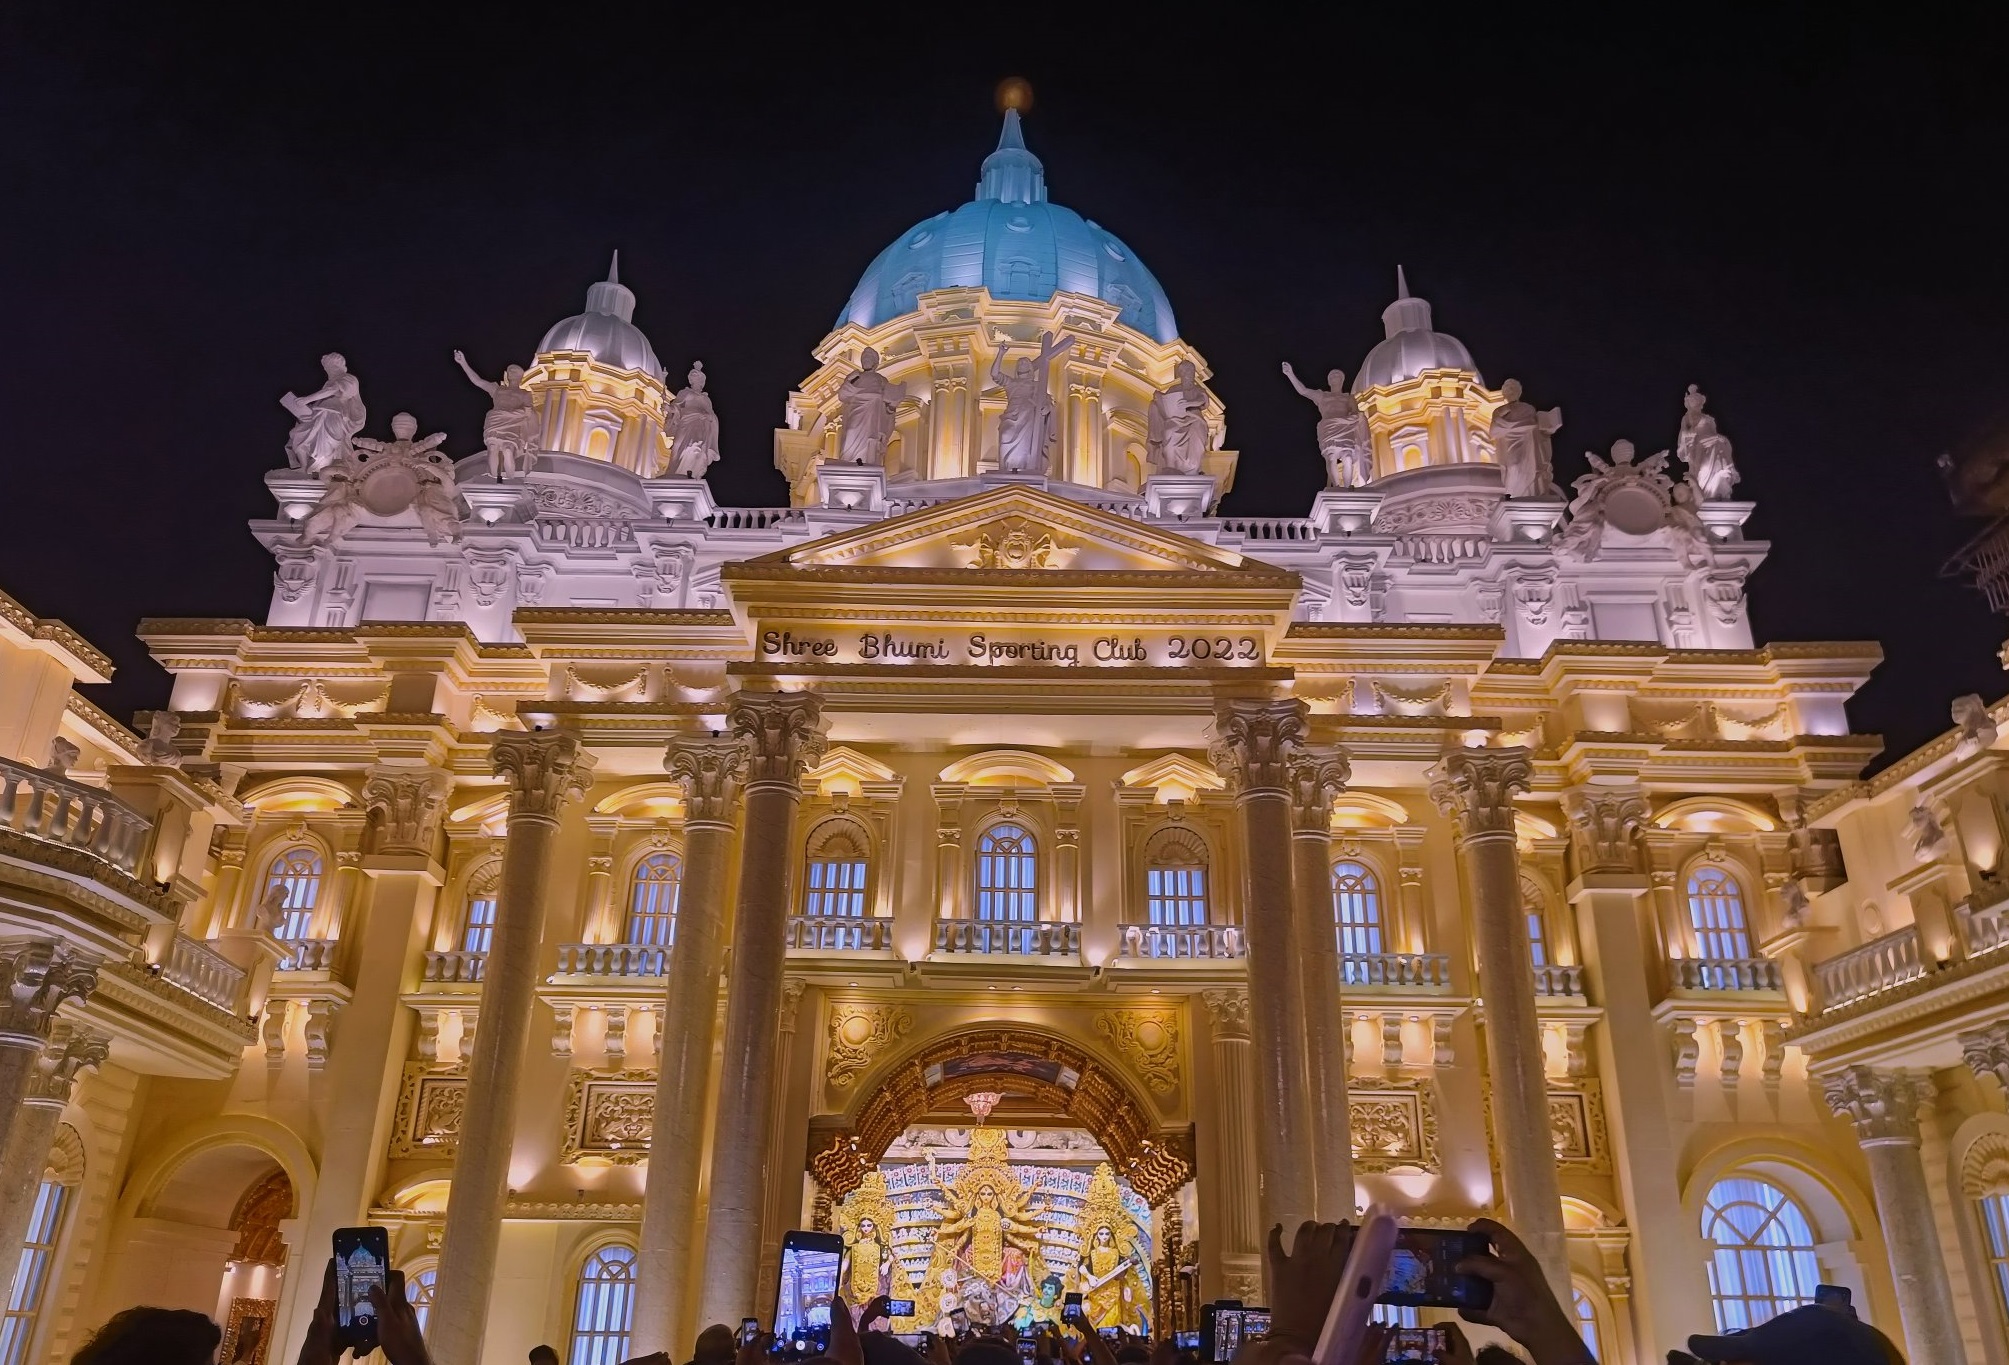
[1534,906]
[1008,874]
[1585,1313]
[1761,1252]
[1175,877]
[834,882]
[605,1309]
[1995,1227]
[477,926]
[419,1288]
[33,1271]
[1356,911]
[300,871]
[652,899]
[1716,910]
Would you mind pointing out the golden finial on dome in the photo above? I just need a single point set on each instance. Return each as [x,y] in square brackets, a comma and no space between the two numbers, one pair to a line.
[1014,92]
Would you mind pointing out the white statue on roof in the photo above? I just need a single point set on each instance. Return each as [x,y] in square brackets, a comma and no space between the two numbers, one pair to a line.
[1521,445]
[1026,429]
[692,427]
[1705,450]
[1176,432]
[869,402]
[326,420]
[1976,726]
[510,430]
[1343,438]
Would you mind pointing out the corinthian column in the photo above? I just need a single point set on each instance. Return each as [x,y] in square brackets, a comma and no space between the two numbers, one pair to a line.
[686,1029]
[36,976]
[1255,743]
[1883,1106]
[1315,779]
[1476,787]
[1234,1183]
[545,769]
[781,736]
[26,1156]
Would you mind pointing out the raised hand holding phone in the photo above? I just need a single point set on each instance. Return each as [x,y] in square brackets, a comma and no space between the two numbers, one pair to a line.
[1351,1314]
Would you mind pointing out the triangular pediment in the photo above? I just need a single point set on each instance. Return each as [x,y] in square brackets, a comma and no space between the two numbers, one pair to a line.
[1018,529]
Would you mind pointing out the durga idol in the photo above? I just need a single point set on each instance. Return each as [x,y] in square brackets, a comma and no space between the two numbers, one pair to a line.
[991,1237]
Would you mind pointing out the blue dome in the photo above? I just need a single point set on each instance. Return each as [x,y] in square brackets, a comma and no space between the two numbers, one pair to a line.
[1012,241]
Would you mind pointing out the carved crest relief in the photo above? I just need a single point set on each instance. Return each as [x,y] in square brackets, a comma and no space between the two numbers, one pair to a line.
[609,1118]
[1149,1041]
[1015,543]
[1394,1127]
[431,1106]
[857,1035]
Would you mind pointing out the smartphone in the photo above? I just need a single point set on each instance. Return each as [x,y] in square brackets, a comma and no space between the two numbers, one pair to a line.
[1366,1272]
[1028,1350]
[1421,1274]
[1209,1326]
[899,1308]
[1415,1343]
[806,1285]
[1255,1324]
[1109,1333]
[1227,1332]
[749,1328]
[362,1260]
[1186,1341]
[1070,1308]
[1834,1295]
[960,1319]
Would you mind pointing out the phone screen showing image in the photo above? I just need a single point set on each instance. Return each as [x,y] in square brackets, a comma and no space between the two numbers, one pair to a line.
[1227,1333]
[808,1282]
[1413,1343]
[1421,1274]
[899,1308]
[1070,1308]
[362,1262]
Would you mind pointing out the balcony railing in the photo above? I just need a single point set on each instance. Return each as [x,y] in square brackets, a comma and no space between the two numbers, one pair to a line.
[55,810]
[1985,931]
[1877,966]
[611,959]
[840,934]
[1726,974]
[453,967]
[1558,979]
[193,966]
[309,955]
[1401,971]
[1017,940]
[1167,942]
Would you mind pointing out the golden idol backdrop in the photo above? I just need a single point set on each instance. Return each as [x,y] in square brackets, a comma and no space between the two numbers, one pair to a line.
[1002,1241]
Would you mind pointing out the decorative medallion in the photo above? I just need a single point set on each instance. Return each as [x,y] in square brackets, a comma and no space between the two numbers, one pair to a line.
[858,1034]
[1394,1127]
[1015,543]
[1149,1041]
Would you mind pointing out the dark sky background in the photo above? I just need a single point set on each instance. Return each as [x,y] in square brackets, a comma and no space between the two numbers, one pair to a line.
[198,203]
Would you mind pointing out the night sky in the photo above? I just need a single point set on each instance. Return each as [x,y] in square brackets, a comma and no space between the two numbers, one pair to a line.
[1794,218]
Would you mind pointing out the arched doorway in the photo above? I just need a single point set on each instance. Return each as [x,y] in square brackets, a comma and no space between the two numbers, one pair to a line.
[994,1171]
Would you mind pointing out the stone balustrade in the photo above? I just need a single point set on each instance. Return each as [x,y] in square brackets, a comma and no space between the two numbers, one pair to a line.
[611,959]
[1398,971]
[309,955]
[1559,980]
[1985,931]
[453,967]
[193,966]
[1875,967]
[53,809]
[839,934]
[1726,974]
[1169,942]
[1005,937]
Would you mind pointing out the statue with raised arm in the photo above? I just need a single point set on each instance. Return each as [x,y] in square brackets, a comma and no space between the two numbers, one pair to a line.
[868,401]
[692,428]
[510,429]
[326,420]
[1343,438]
[1704,450]
[1176,429]
[1521,445]
[1026,429]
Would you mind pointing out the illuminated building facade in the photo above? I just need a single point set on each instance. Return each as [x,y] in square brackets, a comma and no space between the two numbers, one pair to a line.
[591,883]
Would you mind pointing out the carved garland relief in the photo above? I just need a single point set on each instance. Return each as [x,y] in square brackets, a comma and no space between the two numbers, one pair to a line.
[858,1034]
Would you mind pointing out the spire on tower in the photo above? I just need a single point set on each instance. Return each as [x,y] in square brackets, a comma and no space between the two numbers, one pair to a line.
[1012,135]
[1012,174]
[1401,283]
[610,296]
[614,268]
[1408,313]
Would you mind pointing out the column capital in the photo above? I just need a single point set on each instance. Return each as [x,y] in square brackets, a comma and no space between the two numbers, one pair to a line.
[1986,1051]
[1476,787]
[544,768]
[781,733]
[711,771]
[403,804]
[36,976]
[1228,1014]
[1316,777]
[1883,1105]
[1256,740]
[1604,826]
[71,1049]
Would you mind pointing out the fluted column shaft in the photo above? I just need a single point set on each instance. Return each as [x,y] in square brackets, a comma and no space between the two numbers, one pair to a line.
[1476,788]
[36,976]
[1315,779]
[783,1204]
[26,1156]
[544,769]
[1254,745]
[686,1032]
[781,735]
[1884,1106]
[1236,1184]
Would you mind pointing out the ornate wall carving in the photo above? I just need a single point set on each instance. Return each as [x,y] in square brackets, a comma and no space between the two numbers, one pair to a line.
[1149,1041]
[431,1104]
[858,1034]
[1576,1127]
[609,1117]
[1394,1126]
